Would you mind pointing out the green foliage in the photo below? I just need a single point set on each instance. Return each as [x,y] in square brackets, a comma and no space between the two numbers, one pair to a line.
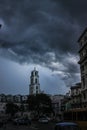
[11,108]
[41,103]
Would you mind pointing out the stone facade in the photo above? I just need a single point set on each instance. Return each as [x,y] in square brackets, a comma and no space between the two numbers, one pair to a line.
[83,66]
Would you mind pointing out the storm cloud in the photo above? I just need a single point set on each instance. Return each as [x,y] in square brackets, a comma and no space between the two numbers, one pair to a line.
[44,33]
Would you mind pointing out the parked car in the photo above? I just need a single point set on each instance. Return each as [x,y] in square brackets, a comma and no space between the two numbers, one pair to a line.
[67,126]
[43,120]
[22,121]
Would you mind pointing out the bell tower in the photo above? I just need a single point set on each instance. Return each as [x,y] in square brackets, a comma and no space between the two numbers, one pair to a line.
[34,87]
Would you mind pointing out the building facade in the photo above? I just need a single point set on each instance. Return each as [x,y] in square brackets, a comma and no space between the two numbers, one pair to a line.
[83,66]
[57,105]
[34,87]
[76,96]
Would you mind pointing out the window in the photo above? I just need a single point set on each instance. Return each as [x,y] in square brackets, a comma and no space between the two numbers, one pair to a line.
[36,73]
[84,96]
[32,74]
[36,81]
[36,91]
[32,81]
[36,87]
[82,68]
[83,82]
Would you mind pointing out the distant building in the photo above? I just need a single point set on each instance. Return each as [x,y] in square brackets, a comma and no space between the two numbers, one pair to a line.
[83,66]
[2,98]
[24,98]
[76,96]
[66,102]
[18,98]
[9,98]
[2,107]
[57,104]
[34,87]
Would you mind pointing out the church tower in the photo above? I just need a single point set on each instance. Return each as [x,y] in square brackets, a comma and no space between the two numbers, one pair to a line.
[34,87]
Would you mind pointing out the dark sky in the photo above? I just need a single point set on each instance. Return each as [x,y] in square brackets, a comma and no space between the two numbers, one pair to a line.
[41,34]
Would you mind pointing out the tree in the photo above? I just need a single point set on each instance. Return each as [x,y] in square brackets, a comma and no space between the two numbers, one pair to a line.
[40,103]
[11,108]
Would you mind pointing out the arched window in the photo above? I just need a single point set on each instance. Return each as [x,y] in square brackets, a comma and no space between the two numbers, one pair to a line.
[36,87]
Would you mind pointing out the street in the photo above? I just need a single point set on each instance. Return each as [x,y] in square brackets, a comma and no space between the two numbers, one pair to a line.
[34,126]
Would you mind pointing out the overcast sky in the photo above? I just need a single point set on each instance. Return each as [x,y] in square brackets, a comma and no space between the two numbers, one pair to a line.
[41,34]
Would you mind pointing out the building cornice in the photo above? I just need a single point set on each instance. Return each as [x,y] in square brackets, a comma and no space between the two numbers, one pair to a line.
[83,47]
[82,34]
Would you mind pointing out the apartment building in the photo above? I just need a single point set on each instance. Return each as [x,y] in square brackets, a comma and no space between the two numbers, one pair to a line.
[83,66]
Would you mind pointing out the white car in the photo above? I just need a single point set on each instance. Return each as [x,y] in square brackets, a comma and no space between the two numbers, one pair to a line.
[43,120]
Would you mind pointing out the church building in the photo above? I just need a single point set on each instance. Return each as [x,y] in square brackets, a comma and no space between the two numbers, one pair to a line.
[34,87]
